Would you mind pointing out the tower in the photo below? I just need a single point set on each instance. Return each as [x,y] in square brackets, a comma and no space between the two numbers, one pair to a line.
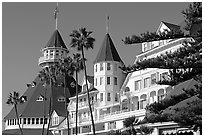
[35,111]
[108,78]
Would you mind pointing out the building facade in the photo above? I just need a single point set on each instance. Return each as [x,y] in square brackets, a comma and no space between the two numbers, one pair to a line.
[114,95]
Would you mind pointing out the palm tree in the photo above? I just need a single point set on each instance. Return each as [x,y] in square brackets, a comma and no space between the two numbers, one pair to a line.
[81,39]
[131,122]
[44,110]
[14,99]
[65,69]
[77,64]
[48,77]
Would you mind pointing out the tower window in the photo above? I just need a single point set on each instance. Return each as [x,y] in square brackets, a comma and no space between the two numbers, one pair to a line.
[116,97]
[115,81]
[101,80]
[101,96]
[108,66]
[108,80]
[108,97]
[116,67]
[96,67]
[96,82]
[101,66]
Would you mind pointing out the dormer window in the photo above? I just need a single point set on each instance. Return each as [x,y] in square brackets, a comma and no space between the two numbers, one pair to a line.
[101,66]
[40,98]
[61,99]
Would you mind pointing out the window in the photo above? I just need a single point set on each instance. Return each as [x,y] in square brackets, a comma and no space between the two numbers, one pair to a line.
[153,79]
[84,99]
[101,96]
[28,120]
[116,67]
[146,82]
[37,120]
[115,81]
[24,120]
[96,82]
[96,68]
[61,99]
[143,103]
[33,120]
[51,53]
[57,53]
[40,98]
[161,42]
[45,120]
[164,76]
[116,97]
[41,120]
[84,88]
[138,85]
[101,80]
[108,97]
[101,66]
[108,80]
[108,66]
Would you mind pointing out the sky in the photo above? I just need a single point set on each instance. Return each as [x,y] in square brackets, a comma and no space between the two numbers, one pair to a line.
[27,27]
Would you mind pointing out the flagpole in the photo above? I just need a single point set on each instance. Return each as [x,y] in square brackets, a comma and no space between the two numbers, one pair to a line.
[56,20]
[107,24]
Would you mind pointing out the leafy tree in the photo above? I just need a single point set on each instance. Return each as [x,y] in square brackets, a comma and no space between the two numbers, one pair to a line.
[183,64]
[15,99]
[81,39]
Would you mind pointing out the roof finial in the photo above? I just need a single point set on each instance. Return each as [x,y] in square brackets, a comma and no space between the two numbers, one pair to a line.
[107,24]
[55,14]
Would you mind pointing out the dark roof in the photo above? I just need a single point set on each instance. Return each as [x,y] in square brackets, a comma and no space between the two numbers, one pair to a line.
[33,108]
[171,26]
[56,41]
[92,88]
[90,79]
[107,51]
[26,131]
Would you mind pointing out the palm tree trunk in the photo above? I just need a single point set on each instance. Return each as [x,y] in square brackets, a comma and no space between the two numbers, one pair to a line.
[66,105]
[92,120]
[15,107]
[50,107]
[76,98]
[44,113]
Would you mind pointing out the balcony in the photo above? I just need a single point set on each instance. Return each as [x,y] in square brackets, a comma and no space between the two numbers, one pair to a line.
[48,59]
[121,114]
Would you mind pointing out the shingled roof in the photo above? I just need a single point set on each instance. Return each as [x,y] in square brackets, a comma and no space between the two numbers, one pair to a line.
[107,51]
[33,108]
[56,41]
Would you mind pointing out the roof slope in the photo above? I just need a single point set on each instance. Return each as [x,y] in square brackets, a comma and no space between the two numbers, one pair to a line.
[107,51]
[33,108]
[171,26]
[56,41]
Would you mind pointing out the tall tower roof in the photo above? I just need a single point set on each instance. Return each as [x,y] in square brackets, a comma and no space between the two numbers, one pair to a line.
[56,41]
[107,51]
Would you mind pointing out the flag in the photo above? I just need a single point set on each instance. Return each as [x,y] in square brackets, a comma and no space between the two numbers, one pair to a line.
[56,12]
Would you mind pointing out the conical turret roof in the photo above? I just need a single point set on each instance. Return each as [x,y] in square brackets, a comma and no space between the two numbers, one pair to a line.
[107,51]
[56,41]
